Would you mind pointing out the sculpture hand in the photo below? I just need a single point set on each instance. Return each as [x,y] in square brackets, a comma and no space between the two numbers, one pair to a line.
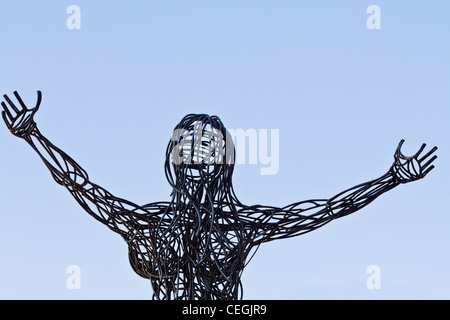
[19,120]
[407,169]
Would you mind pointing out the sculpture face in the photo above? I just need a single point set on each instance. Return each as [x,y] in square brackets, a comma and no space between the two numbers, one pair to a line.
[201,156]
[199,153]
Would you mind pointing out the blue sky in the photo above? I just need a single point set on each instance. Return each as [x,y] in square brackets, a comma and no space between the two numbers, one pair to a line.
[342,97]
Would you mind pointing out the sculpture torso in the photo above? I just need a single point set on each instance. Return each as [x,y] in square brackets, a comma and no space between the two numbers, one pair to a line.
[191,252]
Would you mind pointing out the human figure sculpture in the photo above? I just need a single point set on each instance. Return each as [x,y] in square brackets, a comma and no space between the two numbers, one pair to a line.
[196,244]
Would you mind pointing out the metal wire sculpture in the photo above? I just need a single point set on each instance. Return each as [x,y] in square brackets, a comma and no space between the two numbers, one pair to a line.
[196,245]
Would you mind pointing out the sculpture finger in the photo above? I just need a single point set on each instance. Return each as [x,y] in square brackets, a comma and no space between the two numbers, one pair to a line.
[420,150]
[398,152]
[6,120]
[11,103]
[24,107]
[429,162]
[8,113]
[400,144]
[427,171]
[428,154]
[39,99]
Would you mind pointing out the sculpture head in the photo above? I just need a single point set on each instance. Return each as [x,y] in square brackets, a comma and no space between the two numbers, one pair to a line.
[200,154]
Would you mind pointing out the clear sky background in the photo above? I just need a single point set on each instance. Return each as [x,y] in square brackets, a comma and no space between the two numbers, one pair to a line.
[342,97]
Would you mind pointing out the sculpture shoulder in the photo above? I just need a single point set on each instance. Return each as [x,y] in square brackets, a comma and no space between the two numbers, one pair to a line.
[151,212]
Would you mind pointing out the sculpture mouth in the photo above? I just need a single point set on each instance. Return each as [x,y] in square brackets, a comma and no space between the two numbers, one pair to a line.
[202,171]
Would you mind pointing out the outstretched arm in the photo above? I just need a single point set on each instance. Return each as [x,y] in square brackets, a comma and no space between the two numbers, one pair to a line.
[302,217]
[119,215]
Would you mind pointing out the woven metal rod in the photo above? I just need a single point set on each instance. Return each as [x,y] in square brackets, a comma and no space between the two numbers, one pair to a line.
[196,244]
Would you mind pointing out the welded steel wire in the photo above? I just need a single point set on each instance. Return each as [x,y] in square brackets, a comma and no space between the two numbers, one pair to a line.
[196,244]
